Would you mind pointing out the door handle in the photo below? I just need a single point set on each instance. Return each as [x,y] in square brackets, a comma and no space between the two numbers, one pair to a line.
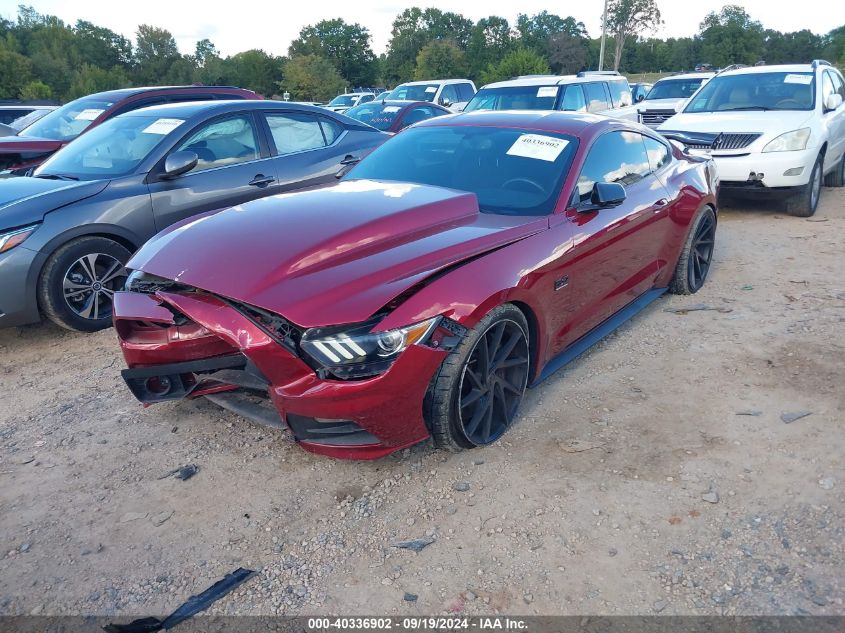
[261,180]
[349,159]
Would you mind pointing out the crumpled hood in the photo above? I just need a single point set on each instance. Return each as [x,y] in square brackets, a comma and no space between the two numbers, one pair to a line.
[329,256]
[769,123]
[25,200]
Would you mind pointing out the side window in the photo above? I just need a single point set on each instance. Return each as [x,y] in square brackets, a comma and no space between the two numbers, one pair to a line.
[827,86]
[658,154]
[294,132]
[223,142]
[573,99]
[449,94]
[615,157]
[836,83]
[465,92]
[596,97]
[331,129]
[617,90]
[366,99]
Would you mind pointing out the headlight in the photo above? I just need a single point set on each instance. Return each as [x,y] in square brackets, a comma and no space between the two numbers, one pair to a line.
[11,239]
[358,352]
[789,142]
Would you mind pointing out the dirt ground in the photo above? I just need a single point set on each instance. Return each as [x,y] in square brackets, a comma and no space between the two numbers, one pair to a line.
[653,475]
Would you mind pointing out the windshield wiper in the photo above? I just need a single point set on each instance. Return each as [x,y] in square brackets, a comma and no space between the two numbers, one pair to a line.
[763,108]
[57,176]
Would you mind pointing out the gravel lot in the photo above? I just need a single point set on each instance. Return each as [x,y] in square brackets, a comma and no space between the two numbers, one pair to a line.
[656,474]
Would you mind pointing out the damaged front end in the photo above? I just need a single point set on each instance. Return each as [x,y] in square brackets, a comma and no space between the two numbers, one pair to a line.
[348,391]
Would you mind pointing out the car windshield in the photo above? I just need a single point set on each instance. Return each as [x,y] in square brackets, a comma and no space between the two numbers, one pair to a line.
[69,121]
[674,88]
[755,91]
[112,149]
[375,113]
[342,100]
[416,92]
[511,171]
[514,98]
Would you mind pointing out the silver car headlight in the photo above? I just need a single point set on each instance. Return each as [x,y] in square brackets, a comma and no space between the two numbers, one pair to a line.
[789,142]
[358,352]
[10,239]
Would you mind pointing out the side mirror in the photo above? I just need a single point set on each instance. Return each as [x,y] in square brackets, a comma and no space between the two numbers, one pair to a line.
[640,97]
[179,163]
[445,102]
[604,196]
[832,101]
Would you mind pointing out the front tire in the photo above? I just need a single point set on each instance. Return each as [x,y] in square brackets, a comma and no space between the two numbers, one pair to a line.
[696,255]
[77,285]
[804,204]
[474,397]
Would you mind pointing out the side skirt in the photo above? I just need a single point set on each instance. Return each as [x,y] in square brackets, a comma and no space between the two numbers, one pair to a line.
[598,333]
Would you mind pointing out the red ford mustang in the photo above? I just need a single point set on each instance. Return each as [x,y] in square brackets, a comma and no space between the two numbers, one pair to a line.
[468,257]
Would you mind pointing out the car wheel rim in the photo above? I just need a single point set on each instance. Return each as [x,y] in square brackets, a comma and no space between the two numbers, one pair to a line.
[815,187]
[89,285]
[701,252]
[493,382]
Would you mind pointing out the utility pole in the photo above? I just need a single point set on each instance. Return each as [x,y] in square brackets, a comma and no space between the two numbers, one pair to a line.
[603,36]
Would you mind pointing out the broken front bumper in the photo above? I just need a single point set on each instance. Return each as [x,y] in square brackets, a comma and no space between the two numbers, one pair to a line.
[192,345]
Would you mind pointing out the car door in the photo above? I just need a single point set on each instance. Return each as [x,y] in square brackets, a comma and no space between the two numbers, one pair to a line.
[616,252]
[598,99]
[308,148]
[234,167]
[832,83]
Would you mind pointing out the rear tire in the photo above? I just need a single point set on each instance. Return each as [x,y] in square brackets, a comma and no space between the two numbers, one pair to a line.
[696,255]
[836,178]
[474,396]
[78,282]
[804,204]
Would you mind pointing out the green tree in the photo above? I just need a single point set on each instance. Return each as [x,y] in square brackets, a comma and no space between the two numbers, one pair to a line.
[35,90]
[102,47]
[312,78]
[798,47]
[255,70]
[155,53]
[489,40]
[89,79]
[834,46]
[627,18]
[521,61]
[567,54]
[15,73]
[440,59]
[535,31]
[731,37]
[347,46]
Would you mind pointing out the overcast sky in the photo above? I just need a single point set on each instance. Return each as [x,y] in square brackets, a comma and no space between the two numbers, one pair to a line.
[271,25]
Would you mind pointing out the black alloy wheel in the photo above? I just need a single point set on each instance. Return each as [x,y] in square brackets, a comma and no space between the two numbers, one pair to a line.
[701,253]
[493,382]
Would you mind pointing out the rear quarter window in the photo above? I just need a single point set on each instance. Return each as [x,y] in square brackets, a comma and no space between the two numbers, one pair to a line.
[597,98]
[617,90]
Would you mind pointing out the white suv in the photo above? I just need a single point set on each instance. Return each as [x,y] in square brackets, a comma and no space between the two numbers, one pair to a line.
[667,96]
[599,92]
[341,103]
[774,131]
[452,94]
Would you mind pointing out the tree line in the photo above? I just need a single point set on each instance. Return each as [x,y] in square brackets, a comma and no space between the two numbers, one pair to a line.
[42,57]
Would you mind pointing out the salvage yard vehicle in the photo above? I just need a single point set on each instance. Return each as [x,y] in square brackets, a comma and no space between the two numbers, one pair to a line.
[775,132]
[464,259]
[393,116]
[342,103]
[453,94]
[667,96]
[20,154]
[66,233]
[601,93]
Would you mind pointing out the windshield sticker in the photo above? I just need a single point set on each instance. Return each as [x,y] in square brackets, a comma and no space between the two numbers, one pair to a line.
[798,79]
[431,89]
[392,109]
[538,147]
[547,91]
[163,126]
[88,115]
